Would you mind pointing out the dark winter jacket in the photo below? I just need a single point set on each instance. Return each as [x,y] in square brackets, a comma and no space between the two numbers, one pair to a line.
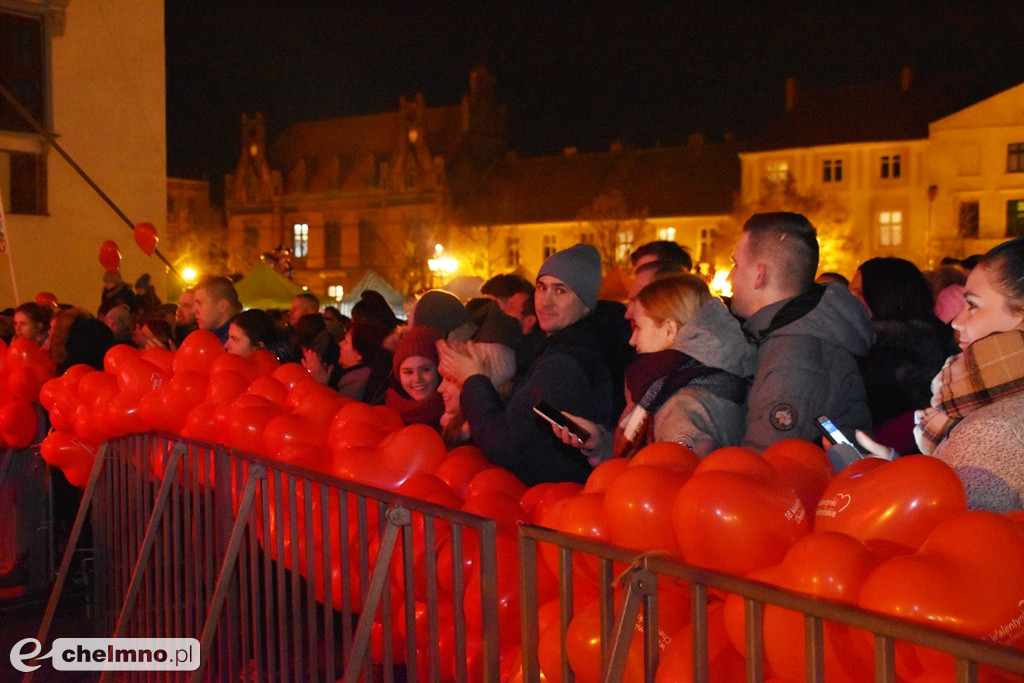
[899,368]
[571,375]
[807,349]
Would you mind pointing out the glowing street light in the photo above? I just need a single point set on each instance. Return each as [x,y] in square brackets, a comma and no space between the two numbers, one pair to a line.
[189,274]
[441,264]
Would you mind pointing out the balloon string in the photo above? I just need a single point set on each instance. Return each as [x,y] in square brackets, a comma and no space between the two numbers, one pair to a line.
[27,115]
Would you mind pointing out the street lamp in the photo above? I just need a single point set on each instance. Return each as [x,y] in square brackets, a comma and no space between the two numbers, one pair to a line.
[441,265]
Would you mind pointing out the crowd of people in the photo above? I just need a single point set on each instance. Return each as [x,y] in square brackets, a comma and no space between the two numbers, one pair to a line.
[907,361]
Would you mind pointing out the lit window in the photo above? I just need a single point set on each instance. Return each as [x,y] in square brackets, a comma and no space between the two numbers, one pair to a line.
[1015,157]
[550,245]
[832,171]
[1015,217]
[667,234]
[776,171]
[623,245]
[890,228]
[586,238]
[300,239]
[512,249]
[891,166]
[336,292]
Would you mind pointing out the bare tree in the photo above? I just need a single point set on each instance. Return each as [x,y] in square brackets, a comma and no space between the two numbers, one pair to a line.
[840,245]
[613,228]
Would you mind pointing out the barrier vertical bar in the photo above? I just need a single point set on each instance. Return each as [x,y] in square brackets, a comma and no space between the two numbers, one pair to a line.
[699,637]
[814,649]
[225,576]
[753,620]
[69,550]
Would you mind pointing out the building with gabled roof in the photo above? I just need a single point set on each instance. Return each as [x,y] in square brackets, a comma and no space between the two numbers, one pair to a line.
[871,148]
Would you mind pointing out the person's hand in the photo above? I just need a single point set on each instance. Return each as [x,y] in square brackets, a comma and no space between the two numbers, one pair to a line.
[570,439]
[459,364]
[873,447]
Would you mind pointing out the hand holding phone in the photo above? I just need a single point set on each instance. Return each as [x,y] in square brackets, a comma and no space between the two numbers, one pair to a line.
[555,417]
[843,451]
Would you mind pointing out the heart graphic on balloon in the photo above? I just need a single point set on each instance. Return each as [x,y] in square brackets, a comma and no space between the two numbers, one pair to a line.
[892,506]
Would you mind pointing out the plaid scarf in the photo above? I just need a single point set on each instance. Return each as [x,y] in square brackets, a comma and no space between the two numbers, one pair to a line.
[988,370]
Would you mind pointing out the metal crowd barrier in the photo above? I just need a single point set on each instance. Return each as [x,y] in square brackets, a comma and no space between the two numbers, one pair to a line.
[287,574]
[279,572]
[639,575]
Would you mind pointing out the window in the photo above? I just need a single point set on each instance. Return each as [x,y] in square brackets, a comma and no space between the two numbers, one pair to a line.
[667,234]
[968,223]
[623,245]
[586,238]
[891,166]
[1015,157]
[832,171]
[776,171]
[21,69]
[332,244]
[890,228]
[1015,217]
[23,182]
[336,292]
[550,245]
[300,240]
[512,251]
[251,235]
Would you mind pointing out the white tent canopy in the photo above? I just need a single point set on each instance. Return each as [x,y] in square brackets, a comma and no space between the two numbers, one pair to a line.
[371,280]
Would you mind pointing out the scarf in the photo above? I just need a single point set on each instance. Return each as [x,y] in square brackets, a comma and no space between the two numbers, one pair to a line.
[655,378]
[988,370]
[427,411]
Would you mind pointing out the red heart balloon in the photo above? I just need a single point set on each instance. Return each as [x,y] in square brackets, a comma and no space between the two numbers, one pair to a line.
[968,576]
[895,505]
[110,256]
[737,515]
[146,237]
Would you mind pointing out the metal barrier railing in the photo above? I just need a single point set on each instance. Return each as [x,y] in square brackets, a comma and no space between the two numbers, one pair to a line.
[640,575]
[287,574]
[281,573]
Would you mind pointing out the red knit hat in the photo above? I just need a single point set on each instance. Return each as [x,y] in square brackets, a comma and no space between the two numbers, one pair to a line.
[420,340]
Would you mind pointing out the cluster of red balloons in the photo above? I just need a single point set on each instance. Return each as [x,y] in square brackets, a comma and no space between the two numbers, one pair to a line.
[24,369]
[895,537]
[146,239]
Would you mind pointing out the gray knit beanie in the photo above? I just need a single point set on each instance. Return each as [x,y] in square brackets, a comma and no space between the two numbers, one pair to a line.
[579,266]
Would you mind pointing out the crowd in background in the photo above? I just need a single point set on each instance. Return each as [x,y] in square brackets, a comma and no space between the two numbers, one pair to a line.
[889,355]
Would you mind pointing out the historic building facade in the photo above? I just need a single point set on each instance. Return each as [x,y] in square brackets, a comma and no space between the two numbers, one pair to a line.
[366,192]
[922,170]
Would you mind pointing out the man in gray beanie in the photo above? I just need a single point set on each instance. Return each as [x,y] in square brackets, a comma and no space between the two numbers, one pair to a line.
[570,373]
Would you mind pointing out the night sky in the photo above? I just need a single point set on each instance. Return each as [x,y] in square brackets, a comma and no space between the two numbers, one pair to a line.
[578,74]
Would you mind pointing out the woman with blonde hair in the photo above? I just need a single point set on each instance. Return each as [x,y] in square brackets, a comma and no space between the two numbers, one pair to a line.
[690,380]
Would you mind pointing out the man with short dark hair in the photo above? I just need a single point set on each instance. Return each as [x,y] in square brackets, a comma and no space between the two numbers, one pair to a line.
[807,335]
[216,303]
[661,250]
[512,292]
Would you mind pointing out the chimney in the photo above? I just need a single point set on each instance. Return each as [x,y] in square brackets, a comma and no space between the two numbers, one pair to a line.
[790,94]
[906,78]
[616,147]
[569,152]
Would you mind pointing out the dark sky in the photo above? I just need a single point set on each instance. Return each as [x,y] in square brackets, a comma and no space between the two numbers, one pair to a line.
[579,73]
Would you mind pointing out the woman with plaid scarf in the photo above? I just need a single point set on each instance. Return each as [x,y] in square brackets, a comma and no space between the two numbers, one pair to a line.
[976,418]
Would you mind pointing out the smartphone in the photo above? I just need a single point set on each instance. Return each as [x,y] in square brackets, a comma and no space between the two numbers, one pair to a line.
[832,433]
[555,417]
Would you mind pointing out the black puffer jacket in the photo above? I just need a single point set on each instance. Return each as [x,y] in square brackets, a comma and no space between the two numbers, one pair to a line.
[571,374]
